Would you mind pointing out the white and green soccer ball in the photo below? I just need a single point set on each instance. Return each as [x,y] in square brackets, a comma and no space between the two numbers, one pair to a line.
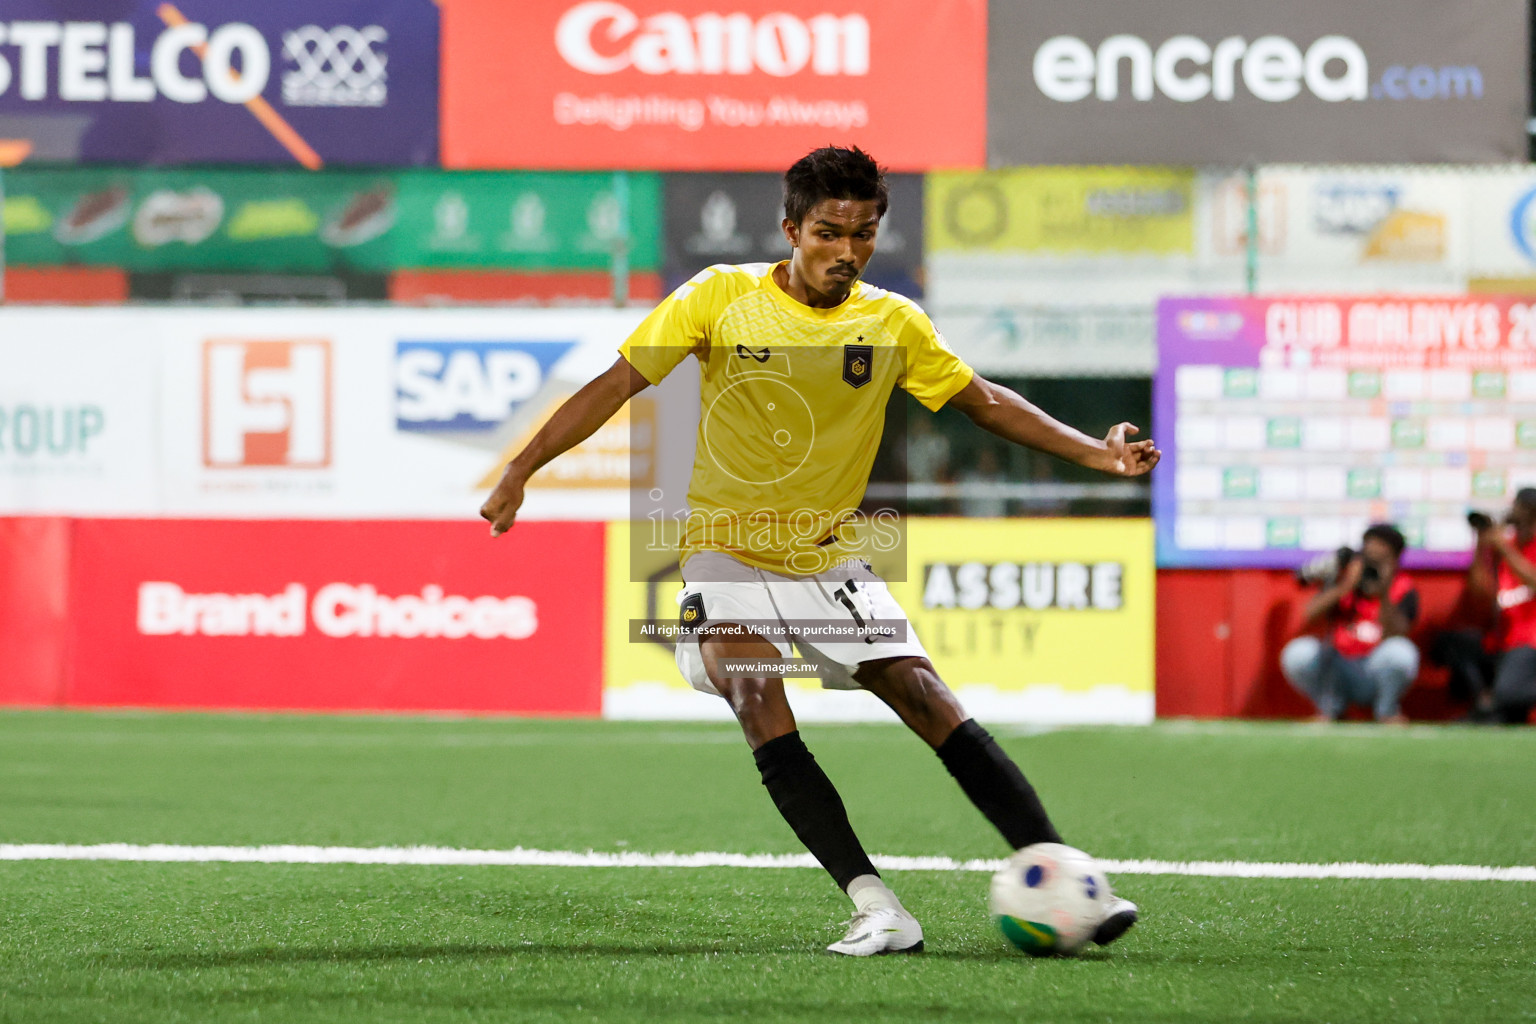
[1049,899]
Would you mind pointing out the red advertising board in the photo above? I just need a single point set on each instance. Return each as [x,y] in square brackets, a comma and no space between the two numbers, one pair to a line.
[313,615]
[689,85]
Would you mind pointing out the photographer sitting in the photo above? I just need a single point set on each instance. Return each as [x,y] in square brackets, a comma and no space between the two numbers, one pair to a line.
[1504,567]
[1367,659]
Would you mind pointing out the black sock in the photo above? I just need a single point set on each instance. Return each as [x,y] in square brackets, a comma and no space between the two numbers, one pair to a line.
[996,786]
[809,802]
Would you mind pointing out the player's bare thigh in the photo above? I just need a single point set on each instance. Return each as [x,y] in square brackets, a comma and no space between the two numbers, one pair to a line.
[758,702]
[911,687]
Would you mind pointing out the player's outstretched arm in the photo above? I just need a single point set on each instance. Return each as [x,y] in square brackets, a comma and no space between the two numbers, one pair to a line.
[1005,413]
[575,421]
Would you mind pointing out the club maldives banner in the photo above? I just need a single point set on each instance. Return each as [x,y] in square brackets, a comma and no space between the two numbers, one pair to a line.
[1291,424]
[738,218]
[294,221]
[218,81]
[1014,614]
[280,413]
[1225,82]
[374,616]
[703,85]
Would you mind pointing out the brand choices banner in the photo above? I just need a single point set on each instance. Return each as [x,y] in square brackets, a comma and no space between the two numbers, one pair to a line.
[216,81]
[1291,424]
[1027,620]
[1221,83]
[200,220]
[706,85]
[337,414]
[376,616]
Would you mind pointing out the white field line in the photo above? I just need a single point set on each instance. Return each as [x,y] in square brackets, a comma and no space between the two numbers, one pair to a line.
[520,857]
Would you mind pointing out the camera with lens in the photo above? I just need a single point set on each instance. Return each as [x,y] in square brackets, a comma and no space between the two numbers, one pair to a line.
[1479,521]
[1325,568]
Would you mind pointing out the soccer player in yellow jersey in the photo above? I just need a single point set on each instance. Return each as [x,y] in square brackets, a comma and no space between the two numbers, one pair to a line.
[798,360]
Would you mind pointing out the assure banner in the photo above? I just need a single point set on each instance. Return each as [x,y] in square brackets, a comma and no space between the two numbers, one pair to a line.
[221,81]
[1289,425]
[684,85]
[328,616]
[1046,621]
[1222,83]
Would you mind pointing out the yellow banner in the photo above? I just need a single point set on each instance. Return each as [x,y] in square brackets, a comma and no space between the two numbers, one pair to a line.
[1133,211]
[1029,620]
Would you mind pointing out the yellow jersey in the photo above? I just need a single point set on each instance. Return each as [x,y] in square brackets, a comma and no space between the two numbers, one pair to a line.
[792,405]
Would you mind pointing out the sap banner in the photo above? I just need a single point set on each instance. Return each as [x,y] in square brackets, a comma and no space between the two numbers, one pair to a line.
[1222,83]
[1038,621]
[345,414]
[698,85]
[217,81]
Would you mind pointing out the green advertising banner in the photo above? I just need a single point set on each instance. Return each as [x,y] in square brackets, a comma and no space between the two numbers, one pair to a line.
[296,221]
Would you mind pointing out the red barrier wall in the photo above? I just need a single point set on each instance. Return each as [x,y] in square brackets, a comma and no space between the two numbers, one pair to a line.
[34,610]
[1219,635]
[302,615]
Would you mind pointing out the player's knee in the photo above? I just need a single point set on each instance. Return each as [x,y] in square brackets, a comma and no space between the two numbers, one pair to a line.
[1298,659]
[750,698]
[1398,655]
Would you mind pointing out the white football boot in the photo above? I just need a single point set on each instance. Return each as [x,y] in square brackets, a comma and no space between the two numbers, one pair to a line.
[1119,915]
[881,930]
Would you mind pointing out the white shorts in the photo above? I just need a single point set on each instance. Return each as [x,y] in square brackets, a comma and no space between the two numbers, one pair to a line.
[807,610]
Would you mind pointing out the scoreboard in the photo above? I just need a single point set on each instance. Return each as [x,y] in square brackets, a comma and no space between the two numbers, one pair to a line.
[1290,424]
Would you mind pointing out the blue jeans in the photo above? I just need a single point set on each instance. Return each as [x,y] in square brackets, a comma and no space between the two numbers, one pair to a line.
[1333,681]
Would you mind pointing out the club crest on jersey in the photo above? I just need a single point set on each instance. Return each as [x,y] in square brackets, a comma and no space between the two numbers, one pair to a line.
[858,364]
[692,616]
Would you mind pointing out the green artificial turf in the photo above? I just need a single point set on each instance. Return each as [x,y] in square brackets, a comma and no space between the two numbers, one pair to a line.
[99,941]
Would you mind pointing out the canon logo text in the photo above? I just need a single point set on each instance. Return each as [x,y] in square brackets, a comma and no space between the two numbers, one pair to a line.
[338,610]
[1186,68]
[604,38]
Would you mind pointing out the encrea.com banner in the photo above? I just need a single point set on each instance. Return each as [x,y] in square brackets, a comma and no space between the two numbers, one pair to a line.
[219,81]
[687,85]
[1289,425]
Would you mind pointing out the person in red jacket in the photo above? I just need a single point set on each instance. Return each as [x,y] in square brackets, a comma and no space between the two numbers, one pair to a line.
[1504,567]
[1366,658]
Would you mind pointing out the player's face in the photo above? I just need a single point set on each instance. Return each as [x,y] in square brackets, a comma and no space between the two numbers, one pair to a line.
[833,244]
[1523,519]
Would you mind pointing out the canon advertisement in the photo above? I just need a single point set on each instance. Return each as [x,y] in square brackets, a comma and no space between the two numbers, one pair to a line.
[1221,84]
[712,84]
[216,81]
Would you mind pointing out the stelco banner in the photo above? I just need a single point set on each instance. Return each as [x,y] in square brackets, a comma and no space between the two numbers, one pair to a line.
[217,81]
[711,84]
[200,220]
[1220,83]
[1291,424]
[738,218]
[1014,613]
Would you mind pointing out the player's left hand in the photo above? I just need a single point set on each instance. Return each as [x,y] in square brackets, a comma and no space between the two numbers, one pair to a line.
[1134,458]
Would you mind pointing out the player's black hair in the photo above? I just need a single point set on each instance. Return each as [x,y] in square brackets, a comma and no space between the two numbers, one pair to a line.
[1390,535]
[1525,497]
[833,172]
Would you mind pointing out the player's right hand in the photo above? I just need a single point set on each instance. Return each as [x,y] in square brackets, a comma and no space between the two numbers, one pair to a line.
[500,509]
[1349,579]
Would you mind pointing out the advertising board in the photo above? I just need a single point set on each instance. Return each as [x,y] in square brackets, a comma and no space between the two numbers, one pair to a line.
[1222,84]
[1288,425]
[367,616]
[699,85]
[277,413]
[1015,615]
[208,220]
[218,81]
